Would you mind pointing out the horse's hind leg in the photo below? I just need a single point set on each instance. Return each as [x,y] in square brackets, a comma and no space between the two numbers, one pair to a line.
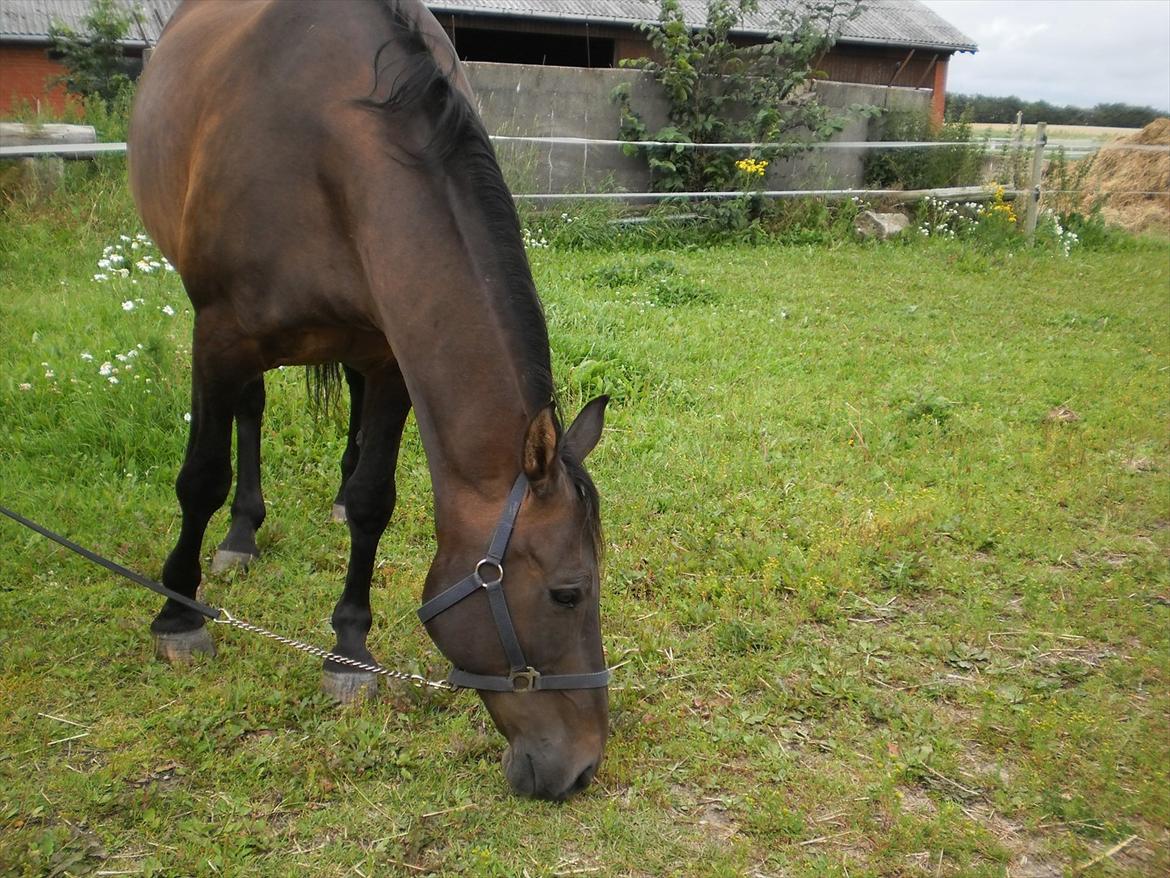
[239,547]
[369,502]
[202,486]
[349,459]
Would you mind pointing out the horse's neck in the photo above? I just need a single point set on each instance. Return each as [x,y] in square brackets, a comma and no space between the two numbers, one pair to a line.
[473,385]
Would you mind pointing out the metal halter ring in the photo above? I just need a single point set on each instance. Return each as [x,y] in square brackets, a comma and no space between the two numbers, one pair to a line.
[529,676]
[488,562]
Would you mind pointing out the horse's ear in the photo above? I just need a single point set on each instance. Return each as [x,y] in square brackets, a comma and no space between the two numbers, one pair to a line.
[584,433]
[540,447]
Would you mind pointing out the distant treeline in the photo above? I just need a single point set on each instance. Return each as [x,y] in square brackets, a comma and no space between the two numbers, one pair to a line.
[984,108]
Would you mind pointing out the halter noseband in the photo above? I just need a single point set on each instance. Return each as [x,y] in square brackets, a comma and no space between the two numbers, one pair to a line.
[523,677]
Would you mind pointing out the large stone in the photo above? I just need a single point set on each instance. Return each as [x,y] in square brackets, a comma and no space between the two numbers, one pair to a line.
[871,224]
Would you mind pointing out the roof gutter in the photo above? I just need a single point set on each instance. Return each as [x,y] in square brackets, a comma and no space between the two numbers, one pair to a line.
[43,40]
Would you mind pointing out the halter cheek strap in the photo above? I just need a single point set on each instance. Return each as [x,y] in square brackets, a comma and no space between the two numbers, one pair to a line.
[489,575]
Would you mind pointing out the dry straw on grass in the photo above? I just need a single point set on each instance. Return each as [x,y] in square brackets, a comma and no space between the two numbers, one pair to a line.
[1134,171]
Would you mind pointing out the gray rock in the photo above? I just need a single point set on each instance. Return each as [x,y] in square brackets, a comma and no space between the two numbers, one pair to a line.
[870,224]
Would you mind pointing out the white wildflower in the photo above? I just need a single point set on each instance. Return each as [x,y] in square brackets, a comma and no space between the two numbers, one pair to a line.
[128,305]
[168,310]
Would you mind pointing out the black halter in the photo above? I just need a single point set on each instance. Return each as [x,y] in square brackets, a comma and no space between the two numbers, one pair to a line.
[523,677]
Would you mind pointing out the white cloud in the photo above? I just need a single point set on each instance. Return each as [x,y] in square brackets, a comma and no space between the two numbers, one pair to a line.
[1081,52]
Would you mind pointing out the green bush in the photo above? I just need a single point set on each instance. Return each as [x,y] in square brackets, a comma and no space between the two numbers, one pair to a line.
[928,167]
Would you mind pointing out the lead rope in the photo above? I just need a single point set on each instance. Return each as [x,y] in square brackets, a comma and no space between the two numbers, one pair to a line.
[222,616]
[413,679]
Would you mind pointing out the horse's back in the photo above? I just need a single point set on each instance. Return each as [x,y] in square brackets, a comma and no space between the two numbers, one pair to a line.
[251,142]
[232,104]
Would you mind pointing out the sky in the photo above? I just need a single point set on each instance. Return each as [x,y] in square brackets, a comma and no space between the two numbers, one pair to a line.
[1079,52]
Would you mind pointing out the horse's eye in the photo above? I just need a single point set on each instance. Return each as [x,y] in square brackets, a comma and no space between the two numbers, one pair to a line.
[566,597]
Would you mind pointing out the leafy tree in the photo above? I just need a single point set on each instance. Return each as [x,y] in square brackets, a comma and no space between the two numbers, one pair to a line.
[94,59]
[719,91]
[988,108]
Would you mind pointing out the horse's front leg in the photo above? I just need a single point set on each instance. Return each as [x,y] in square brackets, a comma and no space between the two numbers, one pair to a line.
[219,373]
[369,502]
[239,547]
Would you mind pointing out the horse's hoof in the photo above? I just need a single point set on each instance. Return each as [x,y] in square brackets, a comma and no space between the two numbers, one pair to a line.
[184,647]
[348,688]
[339,513]
[226,559]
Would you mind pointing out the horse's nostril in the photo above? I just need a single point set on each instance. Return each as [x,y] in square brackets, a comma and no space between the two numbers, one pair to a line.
[584,778]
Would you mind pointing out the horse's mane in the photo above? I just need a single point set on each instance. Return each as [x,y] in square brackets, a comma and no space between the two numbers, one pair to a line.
[460,144]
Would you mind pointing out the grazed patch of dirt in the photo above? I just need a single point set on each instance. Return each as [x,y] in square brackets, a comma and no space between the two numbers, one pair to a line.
[716,822]
[1139,465]
[1062,414]
[711,815]
[1029,859]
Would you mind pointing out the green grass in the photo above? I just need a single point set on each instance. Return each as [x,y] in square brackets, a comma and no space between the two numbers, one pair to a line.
[880,613]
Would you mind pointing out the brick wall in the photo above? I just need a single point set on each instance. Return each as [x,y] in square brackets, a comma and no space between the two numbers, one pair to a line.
[24,74]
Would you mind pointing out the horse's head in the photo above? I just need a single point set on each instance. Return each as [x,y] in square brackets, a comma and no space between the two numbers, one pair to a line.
[556,734]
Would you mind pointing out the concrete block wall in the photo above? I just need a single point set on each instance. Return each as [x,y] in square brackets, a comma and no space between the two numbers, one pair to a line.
[519,99]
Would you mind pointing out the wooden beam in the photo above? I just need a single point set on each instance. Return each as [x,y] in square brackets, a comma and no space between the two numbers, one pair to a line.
[926,73]
[901,67]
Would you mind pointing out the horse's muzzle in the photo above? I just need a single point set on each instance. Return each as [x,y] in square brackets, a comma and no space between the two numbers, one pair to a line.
[537,775]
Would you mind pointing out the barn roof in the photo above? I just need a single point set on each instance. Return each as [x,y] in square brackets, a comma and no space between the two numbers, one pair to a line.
[30,20]
[907,23]
[904,23]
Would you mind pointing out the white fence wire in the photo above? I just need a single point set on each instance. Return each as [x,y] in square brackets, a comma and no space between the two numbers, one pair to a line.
[1073,148]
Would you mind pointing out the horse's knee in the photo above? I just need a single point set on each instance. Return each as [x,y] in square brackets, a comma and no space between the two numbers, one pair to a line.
[368,507]
[202,485]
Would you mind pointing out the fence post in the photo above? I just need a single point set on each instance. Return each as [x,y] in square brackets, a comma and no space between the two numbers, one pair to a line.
[1016,159]
[1034,182]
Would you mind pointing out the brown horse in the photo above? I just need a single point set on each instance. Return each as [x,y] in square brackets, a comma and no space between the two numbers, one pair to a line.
[319,176]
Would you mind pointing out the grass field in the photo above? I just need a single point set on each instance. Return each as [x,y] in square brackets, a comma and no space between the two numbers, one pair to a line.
[887,542]
[1088,133]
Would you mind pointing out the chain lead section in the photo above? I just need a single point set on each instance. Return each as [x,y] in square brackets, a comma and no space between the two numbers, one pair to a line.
[226,618]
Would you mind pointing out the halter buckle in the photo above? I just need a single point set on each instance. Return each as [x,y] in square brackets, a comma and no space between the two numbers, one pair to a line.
[525,680]
[488,562]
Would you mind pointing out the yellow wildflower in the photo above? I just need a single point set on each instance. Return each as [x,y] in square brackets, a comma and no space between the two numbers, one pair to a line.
[752,167]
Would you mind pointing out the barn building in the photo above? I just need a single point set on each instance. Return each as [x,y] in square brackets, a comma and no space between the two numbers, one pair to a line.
[899,43]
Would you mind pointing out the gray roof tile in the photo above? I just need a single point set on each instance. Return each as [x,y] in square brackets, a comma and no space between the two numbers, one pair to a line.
[906,23]
[31,19]
[889,22]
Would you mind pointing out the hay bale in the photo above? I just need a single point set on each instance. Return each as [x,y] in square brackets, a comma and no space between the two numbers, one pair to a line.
[1133,171]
